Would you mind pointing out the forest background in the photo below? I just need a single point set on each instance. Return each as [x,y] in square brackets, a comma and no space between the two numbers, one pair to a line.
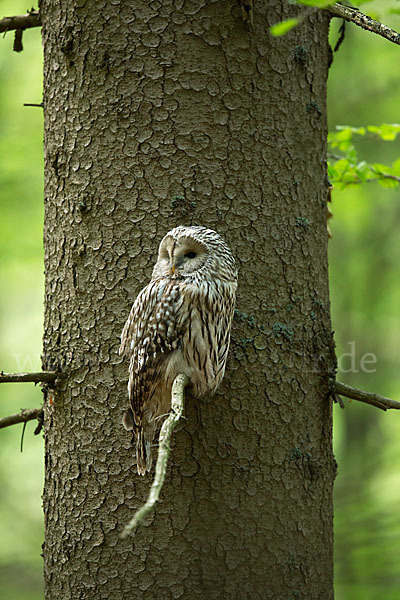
[364,89]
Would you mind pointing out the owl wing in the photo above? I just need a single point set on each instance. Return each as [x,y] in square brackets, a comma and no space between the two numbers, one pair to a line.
[224,308]
[153,330]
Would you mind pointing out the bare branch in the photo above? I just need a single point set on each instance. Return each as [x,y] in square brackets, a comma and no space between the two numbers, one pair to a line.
[177,401]
[25,415]
[358,18]
[31,19]
[43,376]
[369,398]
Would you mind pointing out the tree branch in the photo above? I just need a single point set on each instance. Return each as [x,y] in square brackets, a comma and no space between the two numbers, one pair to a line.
[32,19]
[375,399]
[25,415]
[358,18]
[177,402]
[380,177]
[383,175]
[43,376]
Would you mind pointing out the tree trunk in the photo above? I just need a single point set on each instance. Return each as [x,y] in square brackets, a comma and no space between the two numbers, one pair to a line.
[159,114]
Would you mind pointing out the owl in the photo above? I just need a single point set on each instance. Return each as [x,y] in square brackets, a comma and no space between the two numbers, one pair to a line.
[179,323]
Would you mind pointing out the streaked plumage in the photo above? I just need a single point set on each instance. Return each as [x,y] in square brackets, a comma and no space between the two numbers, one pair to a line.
[179,323]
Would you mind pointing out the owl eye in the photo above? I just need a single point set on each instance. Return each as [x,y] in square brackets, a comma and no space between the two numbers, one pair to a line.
[190,255]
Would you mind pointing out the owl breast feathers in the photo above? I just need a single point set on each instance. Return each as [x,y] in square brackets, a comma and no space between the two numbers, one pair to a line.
[179,323]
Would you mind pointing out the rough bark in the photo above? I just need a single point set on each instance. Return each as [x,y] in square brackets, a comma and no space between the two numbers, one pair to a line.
[167,113]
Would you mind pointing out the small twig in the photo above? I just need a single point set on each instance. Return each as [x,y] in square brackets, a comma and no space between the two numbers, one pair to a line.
[342,33]
[358,18]
[339,400]
[32,19]
[29,104]
[369,398]
[43,376]
[21,447]
[380,177]
[177,402]
[39,426]
[25,415]
[18,46]
[384,175]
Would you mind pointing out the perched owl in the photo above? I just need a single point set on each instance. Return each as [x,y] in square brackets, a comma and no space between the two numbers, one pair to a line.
[179,323]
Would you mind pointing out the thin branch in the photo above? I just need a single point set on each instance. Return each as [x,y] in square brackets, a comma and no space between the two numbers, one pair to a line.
[32,19]
[25,415]
[177,402]
[375,399]
[383,175]
[30,104]
[368,180]
[43,376]
[358,18]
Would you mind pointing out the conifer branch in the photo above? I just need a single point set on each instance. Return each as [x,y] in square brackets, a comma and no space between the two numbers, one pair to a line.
[177,403]
[31,19]
[24,416]
[41,377]
[369,398]
[353,15]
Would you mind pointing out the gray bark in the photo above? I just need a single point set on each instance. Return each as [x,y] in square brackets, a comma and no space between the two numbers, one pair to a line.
[159,114]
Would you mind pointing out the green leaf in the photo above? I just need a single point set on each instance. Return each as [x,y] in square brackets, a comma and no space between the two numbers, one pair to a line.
[342,166]
[352,154]
[387,131]
[283,27]
[387,183]
[343,136]
[379,168]
[363,170]
[396,167]
[332,172]
[347,128]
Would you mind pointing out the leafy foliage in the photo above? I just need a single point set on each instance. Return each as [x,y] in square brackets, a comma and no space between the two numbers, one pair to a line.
[344,165]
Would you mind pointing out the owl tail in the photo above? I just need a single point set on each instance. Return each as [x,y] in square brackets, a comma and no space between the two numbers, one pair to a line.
[143,435]
[143,452]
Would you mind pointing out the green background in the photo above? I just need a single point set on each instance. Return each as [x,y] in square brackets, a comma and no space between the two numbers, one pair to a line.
[364,89]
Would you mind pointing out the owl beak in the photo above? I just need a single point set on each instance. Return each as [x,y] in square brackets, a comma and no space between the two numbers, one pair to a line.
[173,269]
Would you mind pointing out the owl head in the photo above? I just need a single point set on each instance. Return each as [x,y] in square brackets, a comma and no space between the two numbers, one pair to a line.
[194,252]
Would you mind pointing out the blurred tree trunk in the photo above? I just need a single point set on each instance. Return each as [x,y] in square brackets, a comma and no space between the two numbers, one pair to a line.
[159,114]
